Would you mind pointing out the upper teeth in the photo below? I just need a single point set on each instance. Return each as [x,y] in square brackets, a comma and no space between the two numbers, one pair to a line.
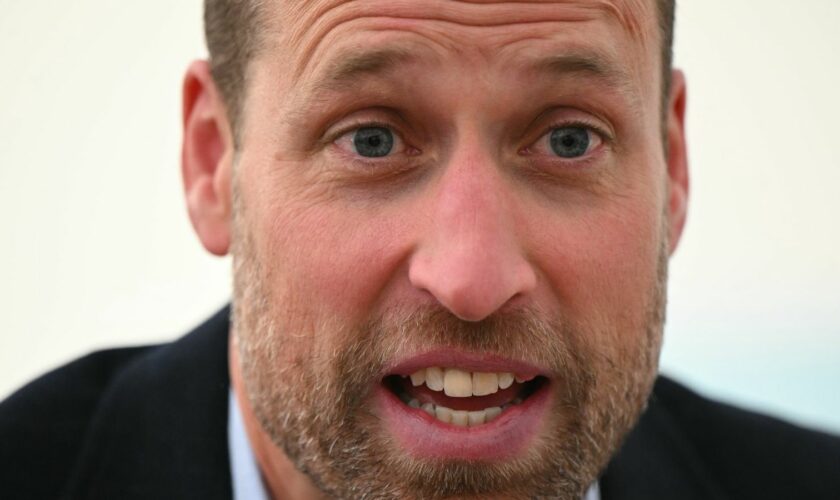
[462,384]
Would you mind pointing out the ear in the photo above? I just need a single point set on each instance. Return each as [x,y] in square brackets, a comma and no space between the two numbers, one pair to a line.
[677,159]
[207,159]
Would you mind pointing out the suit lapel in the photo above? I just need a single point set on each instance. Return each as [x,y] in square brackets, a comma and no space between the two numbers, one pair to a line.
[161,429]
[657,461]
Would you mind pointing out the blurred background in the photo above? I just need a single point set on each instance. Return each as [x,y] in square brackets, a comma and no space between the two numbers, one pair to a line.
[97,249]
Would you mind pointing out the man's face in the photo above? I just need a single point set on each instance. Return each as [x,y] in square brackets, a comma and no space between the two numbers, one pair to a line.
[451,194]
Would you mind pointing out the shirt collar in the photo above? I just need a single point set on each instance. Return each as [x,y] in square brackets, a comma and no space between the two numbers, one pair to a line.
[245,474]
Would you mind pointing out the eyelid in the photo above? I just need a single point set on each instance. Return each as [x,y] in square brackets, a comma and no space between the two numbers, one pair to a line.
[598,131]
[400,145]
[592,127]
[377,116]
[356,124]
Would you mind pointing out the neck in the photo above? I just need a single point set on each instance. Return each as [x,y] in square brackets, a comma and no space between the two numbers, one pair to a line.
[282,479]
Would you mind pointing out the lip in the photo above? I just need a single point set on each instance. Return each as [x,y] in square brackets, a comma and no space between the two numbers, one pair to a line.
[422,436]
[449,358]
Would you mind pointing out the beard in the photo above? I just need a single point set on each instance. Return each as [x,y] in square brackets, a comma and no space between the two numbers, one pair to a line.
[310,378]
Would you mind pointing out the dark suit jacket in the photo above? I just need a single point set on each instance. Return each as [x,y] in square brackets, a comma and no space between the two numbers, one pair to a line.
[151,423]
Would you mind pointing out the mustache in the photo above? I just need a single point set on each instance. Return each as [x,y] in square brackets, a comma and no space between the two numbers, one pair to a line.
[524,334]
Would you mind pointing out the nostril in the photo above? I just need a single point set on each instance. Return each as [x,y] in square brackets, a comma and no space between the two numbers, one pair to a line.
[474,298]
[471,303]
[472,273]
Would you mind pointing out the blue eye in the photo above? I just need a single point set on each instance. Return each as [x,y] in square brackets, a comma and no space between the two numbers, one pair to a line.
[373,142]
[570,142]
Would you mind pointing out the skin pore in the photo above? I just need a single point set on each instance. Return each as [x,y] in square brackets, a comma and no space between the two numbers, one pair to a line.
[470,235]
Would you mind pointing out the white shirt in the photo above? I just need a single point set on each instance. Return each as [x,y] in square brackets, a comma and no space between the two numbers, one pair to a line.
[245,473]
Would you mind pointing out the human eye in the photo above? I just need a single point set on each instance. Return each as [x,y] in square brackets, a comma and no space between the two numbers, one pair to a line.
[568,142]
[370,141]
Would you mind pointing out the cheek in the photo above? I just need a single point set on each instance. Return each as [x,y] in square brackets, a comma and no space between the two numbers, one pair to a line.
[602,266]
[330,259]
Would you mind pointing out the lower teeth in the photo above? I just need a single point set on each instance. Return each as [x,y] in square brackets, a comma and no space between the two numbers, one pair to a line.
[461,418]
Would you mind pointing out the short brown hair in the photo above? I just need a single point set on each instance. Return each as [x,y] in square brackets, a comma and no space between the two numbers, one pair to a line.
[233,27]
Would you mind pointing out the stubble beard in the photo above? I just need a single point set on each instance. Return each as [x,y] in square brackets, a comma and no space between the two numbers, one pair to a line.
[310,382]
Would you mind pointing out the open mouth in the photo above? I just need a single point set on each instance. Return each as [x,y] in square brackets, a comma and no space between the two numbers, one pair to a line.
[463,398]
[450,404]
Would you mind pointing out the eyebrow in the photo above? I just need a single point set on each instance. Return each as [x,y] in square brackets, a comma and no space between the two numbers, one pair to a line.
[353,67]
[348,70]
[592,64]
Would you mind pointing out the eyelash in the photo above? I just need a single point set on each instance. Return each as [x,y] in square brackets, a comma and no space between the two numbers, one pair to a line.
[542,161]
[359,124]
[583,124]
[604,137]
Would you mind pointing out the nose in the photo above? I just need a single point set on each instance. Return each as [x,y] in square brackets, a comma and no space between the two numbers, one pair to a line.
[470,257]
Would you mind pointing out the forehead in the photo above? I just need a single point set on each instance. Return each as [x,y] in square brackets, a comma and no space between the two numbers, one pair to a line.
[309,34]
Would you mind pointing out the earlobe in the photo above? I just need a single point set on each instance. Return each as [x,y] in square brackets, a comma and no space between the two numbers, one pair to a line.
[677,160]
[207,159]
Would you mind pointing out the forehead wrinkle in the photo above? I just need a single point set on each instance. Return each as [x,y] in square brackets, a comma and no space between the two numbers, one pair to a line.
[353,64]
[314,21]
[348,71]
[630,14]
[589,64]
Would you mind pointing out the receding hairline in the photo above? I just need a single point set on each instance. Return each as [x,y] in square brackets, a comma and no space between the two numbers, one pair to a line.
[235,30]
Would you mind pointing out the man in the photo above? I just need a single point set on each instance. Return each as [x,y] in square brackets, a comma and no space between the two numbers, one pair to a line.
[450,225]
